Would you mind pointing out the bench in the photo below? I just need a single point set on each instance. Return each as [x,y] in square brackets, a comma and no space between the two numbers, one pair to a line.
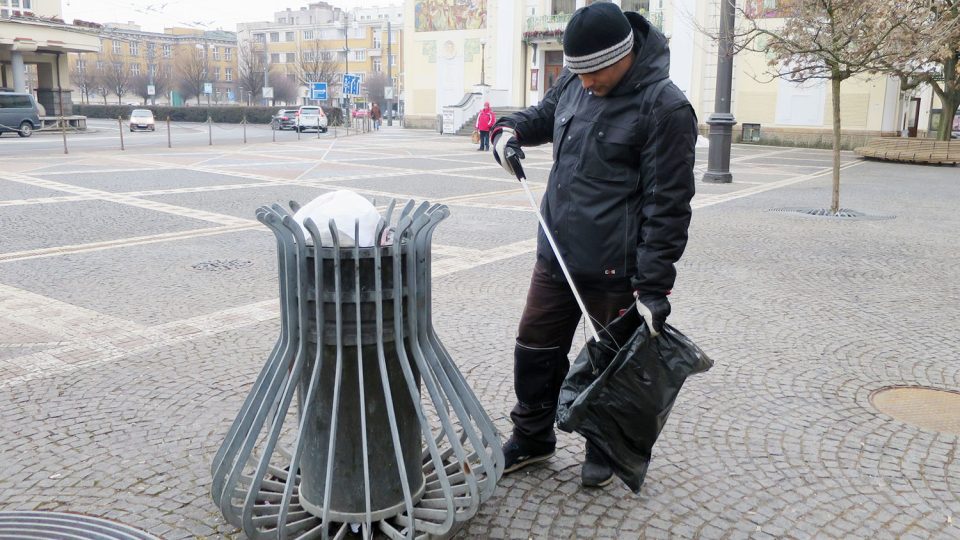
[909,150]
[74,123]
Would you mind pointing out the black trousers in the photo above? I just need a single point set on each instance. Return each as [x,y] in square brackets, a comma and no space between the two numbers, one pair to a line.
[484,140]
[549,322]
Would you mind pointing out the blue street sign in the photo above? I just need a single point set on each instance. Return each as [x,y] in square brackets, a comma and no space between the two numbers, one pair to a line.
[318,90]
[351,84]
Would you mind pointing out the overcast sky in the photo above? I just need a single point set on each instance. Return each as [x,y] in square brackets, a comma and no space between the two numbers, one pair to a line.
[155,15]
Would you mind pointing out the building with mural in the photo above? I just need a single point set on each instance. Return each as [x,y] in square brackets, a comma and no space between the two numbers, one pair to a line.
[320,42]
[522,55]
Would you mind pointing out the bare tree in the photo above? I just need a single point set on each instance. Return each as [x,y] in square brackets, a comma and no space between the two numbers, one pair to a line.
[190,64]
[825,39]
[285,87]
[316,65]
[83,76]
[931,46]
[250,68]
[376,84]
[115,76]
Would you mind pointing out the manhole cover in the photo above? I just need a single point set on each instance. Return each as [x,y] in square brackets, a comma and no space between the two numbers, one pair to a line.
[59,525]
[843,213]
[927,408]
[221,266]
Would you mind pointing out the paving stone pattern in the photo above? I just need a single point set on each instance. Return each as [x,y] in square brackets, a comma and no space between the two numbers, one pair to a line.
[121,366]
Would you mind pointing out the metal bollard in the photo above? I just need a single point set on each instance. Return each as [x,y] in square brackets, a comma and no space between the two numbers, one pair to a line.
[382,413]
[244,129]
[210,129]
[120,125]
[169,143]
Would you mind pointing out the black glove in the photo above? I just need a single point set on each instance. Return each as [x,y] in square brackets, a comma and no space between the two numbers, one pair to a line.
[658,308]
[503,139]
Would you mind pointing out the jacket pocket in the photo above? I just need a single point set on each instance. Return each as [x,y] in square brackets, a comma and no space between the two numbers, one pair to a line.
[561,126]
[611,153]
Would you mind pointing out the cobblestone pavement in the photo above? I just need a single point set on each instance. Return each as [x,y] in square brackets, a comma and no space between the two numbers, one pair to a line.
[124,357]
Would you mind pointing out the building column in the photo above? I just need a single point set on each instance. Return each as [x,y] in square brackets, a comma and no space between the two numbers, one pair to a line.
[17,67]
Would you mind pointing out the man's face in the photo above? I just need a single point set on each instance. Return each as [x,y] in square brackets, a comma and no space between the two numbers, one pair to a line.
[601,82]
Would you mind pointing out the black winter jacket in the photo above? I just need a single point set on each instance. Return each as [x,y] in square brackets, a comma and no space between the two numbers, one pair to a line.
[618,198]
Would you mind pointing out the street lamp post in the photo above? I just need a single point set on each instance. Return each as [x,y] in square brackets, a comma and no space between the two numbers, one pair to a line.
[721,122]
[390,74]
[346,67]
[483,60]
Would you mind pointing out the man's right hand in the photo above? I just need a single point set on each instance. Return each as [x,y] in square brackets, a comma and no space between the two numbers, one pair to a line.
[503,139]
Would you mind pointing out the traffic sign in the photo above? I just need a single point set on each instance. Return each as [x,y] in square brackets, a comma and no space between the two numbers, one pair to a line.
[208,88]
[388,92]
[351,84]
[267,92]
[151,90]
[318,90]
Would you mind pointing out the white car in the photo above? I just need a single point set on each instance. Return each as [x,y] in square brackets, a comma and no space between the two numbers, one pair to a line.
[142,119]
[311,117]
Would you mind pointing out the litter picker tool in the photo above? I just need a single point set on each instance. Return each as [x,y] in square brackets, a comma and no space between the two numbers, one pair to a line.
[511,156]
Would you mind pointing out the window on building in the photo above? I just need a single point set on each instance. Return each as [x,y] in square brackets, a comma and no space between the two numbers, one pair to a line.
[291,57]
[135,69]
[4,13]
[274,37]
[134,48]
[308,34]
[563,6]
[359,55]
[376,42]
[81,64]
[167,51]
[99,65]
[329,56]
[377,66]
[15,3]
[289,37]
[274,58]
[151,49]
[216,73]
[216,53]
[393,59]
[308,56]
[640,6]
[116,47]
[259,38]
[26,4]
[228,74]
[228,53]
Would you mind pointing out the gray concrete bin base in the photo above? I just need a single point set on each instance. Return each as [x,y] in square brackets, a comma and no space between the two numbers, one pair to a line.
[362,427]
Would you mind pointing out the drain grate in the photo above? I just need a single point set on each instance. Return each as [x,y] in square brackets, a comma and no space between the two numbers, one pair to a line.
[59,525]
[926,408]
[221,265]
[843,213]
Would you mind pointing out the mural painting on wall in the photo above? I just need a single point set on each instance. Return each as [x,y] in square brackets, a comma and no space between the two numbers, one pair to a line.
[440,15]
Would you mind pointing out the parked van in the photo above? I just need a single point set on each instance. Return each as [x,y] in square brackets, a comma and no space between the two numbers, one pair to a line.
[19,112]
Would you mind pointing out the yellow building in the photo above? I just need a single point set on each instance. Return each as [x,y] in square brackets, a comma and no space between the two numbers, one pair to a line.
[131,60]
[320,41]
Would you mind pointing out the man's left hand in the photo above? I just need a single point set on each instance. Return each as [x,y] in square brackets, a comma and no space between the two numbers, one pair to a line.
[654,308]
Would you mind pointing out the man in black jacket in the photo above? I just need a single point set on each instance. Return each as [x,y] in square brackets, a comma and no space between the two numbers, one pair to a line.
[618,204]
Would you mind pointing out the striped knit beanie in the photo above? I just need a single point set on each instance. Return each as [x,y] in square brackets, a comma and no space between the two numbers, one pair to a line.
[596,37]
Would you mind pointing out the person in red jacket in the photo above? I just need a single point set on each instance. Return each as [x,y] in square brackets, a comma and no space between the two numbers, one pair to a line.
[485,121]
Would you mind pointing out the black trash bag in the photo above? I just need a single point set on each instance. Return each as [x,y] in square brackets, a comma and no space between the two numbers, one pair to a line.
[619,392]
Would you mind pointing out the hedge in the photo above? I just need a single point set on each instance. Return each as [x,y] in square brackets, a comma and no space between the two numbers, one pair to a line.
[223,115]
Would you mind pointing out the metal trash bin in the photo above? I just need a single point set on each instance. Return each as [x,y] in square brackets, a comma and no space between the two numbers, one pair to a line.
[358,374]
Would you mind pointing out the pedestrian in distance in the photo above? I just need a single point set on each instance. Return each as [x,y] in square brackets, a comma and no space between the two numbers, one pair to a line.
[485,121]
[617,202]
[376,116]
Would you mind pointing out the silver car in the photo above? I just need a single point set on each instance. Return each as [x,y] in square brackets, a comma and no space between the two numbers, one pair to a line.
[142,119]
[311,117]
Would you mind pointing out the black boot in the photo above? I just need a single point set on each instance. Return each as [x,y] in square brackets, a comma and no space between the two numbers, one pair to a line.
[537,376]
[596,471]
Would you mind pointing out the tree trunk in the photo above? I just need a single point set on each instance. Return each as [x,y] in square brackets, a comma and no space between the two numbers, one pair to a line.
[835,200]
[950,99]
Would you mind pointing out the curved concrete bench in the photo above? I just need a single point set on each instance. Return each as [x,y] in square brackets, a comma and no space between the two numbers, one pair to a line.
[912,150]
